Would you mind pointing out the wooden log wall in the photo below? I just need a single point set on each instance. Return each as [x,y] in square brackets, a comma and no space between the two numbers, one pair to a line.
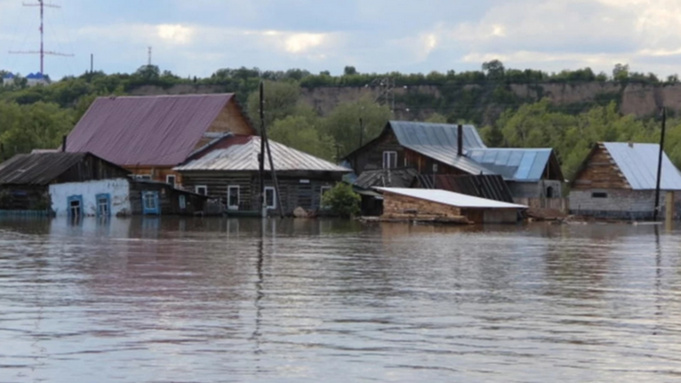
[600,172]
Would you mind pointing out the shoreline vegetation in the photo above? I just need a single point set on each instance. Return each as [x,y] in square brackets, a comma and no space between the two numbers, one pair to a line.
[38,117]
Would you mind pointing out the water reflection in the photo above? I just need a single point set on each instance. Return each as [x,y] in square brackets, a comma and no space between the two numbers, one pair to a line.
[199,299]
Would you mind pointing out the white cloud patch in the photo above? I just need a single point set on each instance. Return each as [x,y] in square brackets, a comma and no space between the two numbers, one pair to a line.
[175,34]
[303,42]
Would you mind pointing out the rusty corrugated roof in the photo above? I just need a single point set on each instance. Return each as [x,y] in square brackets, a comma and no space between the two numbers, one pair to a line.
[240,153]
[146,130]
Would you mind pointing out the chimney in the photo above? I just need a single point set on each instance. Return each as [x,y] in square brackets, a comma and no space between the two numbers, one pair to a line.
[459,140]
[63,144]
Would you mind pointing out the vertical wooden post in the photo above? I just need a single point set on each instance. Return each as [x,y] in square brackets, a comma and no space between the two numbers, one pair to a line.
[669,210]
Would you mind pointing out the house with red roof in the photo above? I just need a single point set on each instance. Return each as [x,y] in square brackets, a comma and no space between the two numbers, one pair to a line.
[149,135]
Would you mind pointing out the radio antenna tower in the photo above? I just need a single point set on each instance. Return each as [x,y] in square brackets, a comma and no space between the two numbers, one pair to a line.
[42,51]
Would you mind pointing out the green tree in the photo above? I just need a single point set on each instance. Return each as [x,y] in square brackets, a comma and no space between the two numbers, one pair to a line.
[342,200]
[494,70]
[280,100]
[303,133]
[343,123]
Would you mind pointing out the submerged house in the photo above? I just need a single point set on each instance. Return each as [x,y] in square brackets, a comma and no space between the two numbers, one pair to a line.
[82,184]
[28,183]
[446,149]
[618,180]
[444,206]
[228,170]
[149,135]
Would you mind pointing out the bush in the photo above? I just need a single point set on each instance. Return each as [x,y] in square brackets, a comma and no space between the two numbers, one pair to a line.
[342,200]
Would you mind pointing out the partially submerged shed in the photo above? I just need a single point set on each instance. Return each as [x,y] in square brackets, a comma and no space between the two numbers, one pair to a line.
[442,205]
[618,180]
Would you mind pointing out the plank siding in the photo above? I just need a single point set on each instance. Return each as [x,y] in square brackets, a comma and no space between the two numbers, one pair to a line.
[371,157]
[292,192]
[600,172]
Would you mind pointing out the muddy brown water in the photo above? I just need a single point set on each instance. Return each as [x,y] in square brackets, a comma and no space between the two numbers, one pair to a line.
[227,300]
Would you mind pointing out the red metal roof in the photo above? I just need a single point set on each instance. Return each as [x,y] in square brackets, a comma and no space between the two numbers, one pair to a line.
[147,130]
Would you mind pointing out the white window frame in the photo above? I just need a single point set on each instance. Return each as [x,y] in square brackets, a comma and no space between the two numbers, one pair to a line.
[238,197]
[174,177]
[323,189]
[197,189]
[270,189]
[389,159]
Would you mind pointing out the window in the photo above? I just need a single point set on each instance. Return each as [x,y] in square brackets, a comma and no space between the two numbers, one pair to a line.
[434,168]
[75,204]
[201,189]
[270,198]
[549,192]
[170,179]
[150,202]
[103,205]
[323,191]
[233,197]
[599,195]
[143,176]
[389,160]
[182,202]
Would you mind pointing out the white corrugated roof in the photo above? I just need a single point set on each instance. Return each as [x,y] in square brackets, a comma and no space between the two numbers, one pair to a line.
[243,156]
[453,199]
[638,163]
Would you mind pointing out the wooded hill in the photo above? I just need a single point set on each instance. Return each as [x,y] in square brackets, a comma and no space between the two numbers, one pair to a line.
[320,113]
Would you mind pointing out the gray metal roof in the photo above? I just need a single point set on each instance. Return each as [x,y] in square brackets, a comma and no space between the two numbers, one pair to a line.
[452,199]
[638,163]
[37,168]
[522,165]
[439,142]
[240,153]
[411,133]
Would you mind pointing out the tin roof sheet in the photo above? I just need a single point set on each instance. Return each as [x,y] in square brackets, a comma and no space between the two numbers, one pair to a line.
[37,168]
[638,163]
[522,165]
[412,133]
[147,130]
[240,153]
[452,198]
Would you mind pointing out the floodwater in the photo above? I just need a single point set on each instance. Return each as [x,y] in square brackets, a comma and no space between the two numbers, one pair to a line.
[227,300]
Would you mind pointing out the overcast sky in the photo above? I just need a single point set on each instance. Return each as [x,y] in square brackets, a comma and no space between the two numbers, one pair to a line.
[197,37]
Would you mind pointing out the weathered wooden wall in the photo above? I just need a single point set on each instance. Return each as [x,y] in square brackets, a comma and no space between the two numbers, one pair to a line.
[536,189]
[600,172]
[396,204]
[297,190]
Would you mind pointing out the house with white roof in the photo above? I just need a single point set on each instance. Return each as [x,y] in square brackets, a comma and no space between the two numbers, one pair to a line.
[618,180]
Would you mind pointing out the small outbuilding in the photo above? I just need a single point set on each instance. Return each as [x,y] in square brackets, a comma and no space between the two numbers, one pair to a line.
[445,206]
[618,180]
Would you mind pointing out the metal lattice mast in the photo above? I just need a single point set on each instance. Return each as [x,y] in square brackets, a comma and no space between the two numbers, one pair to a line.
[42,52]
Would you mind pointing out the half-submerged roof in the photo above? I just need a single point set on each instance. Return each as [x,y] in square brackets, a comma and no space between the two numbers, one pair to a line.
[523,165]
[451,198]
[638,164]
[240,153]
[146,130]
[38,168]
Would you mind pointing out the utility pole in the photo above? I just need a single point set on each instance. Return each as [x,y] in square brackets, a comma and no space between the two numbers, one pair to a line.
[659,165]
[42,52]
[149,58]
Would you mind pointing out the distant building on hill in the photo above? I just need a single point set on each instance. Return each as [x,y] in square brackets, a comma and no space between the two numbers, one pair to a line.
[8,79]
[37,78]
